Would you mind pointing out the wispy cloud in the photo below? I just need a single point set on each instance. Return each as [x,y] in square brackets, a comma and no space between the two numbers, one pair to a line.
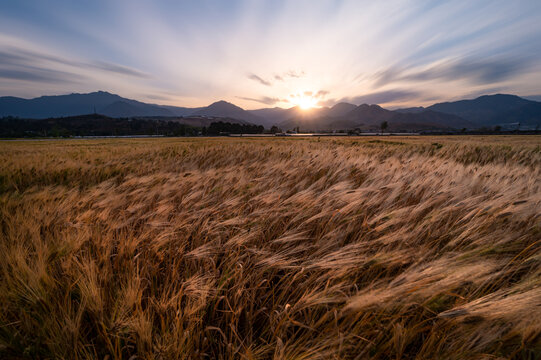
[30,65]
[294,74]
[156,97]
[118,69]
[13,55]
[290,74]
[263,100]
[259,79]
[379,97]
[33,74]
[475,71]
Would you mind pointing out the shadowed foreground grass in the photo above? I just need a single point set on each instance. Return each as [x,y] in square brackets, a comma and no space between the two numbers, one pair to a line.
[271,248]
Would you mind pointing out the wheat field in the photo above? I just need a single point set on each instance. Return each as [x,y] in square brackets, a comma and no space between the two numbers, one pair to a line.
[246,248]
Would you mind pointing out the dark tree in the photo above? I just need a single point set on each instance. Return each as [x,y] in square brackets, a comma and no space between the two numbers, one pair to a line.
[384,126]
[275,129]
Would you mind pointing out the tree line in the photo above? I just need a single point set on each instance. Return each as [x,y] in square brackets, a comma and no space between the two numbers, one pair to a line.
[220,128]
[100,125]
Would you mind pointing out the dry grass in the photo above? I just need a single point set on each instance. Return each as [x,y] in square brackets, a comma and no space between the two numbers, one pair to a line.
[271,248]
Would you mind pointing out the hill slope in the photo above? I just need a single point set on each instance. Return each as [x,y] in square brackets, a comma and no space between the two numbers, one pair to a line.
[56,106]
[133,108]
[529,116]
[484,110]
[77,104]
[225,109]
[271,116]
[340,109]
[370,117]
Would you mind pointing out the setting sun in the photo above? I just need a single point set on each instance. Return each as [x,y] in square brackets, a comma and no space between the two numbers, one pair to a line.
[304,100]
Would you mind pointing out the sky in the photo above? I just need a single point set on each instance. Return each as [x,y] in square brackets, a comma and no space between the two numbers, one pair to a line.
[262,53]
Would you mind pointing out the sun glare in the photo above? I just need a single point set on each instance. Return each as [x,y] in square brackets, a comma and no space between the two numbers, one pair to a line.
[304,101]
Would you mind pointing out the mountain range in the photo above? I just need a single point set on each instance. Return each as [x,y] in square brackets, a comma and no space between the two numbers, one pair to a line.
[76,104]
[485,111]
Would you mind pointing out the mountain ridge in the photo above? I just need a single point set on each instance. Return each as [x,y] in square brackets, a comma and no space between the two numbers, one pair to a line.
[483,111]
[223,108]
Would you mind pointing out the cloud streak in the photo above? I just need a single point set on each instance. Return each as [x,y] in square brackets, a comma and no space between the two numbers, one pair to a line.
[263,51]
[259,80]
[267,100]
[475,71]
[388,96]
[285,76]
[379,97]
[39,75]
[118,69]
[30,65]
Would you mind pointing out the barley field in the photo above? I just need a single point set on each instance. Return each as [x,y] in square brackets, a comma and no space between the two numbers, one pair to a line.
[271,248]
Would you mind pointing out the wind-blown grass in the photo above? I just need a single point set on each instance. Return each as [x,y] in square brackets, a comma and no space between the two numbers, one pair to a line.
[271,248]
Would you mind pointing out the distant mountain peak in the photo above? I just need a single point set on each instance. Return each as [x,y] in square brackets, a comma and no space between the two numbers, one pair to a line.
[340,109]
[373,106]
[483,110]
[223,108]
[499,95]
[223,103]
